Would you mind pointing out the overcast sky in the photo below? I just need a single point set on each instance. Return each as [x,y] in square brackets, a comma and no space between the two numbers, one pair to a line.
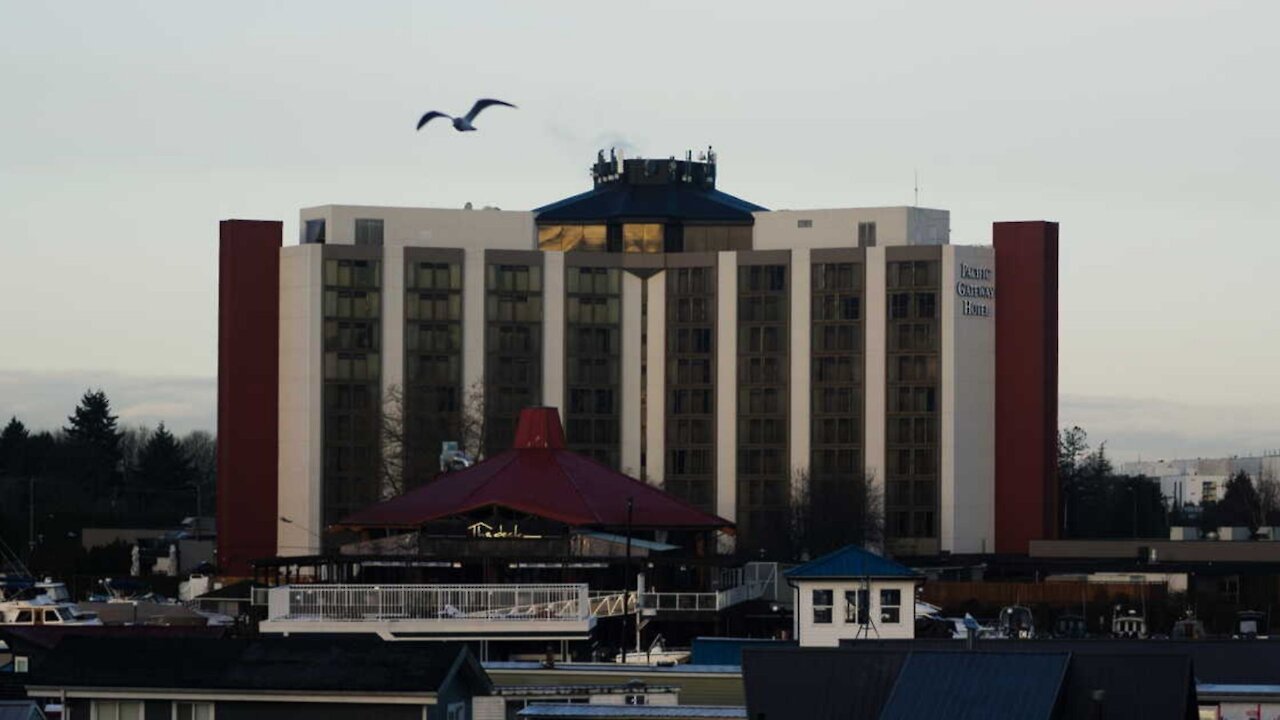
[1147,129]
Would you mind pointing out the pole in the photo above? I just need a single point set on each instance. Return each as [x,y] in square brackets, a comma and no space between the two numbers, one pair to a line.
[31,518]
[626,584]
[1134,490]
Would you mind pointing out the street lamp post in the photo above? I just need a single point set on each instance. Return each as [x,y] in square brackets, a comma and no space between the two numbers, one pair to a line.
[626,583]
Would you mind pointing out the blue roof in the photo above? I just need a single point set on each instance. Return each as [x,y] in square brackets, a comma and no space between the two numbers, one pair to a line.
[728,651]
[990,686]
[677,201]
[851,561]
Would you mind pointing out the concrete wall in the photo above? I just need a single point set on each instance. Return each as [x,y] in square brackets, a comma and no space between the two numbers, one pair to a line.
[553,329]
[801,307]
[301,380]
[838,227]
[967,472]
[727,386]
[874,314]
[656,381]
[813,634]
[632,412]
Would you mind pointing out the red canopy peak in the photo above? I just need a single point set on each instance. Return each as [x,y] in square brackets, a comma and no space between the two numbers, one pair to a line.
[539,427]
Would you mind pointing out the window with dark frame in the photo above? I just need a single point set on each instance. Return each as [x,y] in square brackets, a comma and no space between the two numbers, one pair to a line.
[823,602]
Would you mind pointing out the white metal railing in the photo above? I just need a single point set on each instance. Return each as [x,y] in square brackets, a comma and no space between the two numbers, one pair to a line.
[669,601]
[366,603]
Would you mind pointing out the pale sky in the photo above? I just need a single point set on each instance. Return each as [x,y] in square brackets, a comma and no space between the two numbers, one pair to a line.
[1149,130]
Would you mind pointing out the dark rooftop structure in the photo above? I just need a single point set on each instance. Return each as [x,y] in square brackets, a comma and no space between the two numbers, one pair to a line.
[302,663]
[905,679]
[652,190]
[280,677]
[977,685]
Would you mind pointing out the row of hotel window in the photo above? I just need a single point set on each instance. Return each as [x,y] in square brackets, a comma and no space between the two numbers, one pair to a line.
[527,278]
[644,238]
[857,606]
[756,431]
[600,309]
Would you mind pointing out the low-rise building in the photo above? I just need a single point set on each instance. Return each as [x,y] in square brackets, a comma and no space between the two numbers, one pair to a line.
[199,679]
[850,594]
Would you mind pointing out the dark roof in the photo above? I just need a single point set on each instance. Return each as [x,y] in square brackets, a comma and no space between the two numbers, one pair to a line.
[1142,679]
[851,561]
[539,477]
[20,710]
[1215,661]
[1135,686]
[296,664]
[818,683]
[962,685]
[674,201]
[594,711]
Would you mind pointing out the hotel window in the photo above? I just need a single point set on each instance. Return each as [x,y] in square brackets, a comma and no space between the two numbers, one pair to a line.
[368,232]
[823,601]
[313,232]
[585,238]
[193,711]
[642,238]
[866,234]
[857,607]
[115,710]
[891,606]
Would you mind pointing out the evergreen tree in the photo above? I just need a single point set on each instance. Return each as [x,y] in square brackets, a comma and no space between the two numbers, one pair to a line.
[94,442]
[165,477]
[1240,505]
[13,448]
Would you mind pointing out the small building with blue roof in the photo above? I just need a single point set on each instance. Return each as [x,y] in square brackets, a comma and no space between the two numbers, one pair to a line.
[850,594]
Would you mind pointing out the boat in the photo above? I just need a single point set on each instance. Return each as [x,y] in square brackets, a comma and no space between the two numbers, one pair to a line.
[1016,622]
[41,609]
[1128,625]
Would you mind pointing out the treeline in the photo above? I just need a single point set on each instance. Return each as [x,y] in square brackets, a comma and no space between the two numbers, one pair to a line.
[1098,502]
[92,472]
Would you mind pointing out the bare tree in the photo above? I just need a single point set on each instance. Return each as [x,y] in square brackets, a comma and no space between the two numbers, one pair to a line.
[391,443]
[473,419]
[1268,498]
[831,512]
[398,442]
[202,450]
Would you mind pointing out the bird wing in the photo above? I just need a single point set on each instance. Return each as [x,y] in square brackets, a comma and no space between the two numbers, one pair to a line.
[429,117]
[483,103]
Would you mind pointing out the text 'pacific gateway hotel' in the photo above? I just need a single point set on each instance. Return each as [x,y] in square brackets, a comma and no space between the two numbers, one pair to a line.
[688,337]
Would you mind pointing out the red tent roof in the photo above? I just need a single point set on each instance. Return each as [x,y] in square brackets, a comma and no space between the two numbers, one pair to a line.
[540,477]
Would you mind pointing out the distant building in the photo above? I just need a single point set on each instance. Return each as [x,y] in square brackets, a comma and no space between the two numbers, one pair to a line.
[1192,481]
[690,338]
[853,594]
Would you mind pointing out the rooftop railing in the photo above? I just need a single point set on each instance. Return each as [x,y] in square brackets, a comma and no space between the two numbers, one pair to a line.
[380,603]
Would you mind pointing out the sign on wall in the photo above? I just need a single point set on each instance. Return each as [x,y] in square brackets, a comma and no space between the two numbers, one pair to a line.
[976,289]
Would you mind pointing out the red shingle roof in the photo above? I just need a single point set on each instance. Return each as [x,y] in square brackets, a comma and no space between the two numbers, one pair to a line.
[539,477]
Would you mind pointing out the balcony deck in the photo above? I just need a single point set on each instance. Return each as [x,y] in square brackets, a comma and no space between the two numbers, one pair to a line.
[457,612]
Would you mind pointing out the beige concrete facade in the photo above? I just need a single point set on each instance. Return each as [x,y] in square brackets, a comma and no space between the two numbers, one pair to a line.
[966,468]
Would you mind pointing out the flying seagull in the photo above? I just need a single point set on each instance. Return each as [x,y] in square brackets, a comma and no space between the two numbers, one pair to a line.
[463,124]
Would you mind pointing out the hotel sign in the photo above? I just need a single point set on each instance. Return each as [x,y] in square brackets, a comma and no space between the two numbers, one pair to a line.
[976,290]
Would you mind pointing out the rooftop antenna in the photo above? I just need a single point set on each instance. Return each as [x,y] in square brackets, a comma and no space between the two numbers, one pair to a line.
[916,175]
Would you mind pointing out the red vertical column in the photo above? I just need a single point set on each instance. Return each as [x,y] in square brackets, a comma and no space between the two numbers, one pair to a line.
[1026,491]
[248,378]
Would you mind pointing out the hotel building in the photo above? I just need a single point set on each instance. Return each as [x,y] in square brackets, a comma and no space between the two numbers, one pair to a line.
[689,338]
